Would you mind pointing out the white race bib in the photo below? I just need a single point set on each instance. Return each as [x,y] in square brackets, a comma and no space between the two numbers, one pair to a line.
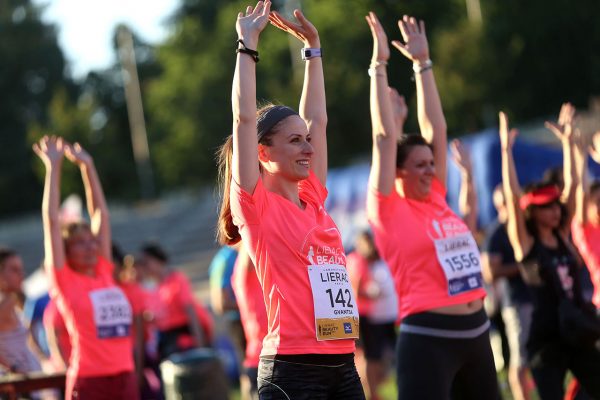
[460,260]
[112,312]
[336,313]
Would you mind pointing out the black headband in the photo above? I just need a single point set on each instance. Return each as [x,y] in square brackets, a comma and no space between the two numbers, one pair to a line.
[270,118]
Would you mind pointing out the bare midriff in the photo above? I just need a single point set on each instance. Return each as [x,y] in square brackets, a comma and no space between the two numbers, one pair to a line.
[460,309]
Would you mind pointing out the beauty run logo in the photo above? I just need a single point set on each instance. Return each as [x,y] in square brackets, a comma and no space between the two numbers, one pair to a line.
[324,247]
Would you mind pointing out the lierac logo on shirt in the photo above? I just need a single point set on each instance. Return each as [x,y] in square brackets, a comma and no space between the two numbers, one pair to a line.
[319,255]
[324,246]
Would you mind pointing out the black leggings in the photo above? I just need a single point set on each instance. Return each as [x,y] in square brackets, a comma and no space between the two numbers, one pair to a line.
[439,368]
[309,377]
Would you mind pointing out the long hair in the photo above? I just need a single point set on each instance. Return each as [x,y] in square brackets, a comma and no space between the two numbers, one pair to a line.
[227,232]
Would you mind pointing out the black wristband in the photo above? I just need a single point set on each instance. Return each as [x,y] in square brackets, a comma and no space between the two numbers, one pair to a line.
[245,50]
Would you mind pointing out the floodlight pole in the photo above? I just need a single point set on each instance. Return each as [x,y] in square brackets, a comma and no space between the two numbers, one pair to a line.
[474,10]
[135,112]
[295,45]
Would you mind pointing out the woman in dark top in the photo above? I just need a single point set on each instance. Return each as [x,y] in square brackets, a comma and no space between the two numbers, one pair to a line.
[539,236]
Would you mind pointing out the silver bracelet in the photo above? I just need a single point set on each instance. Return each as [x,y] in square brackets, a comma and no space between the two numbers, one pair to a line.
[373,68]
[424,66]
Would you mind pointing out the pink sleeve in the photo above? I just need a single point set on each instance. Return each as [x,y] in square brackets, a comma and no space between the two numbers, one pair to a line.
[58,280]
[313,188]
[379,207]
[246,208]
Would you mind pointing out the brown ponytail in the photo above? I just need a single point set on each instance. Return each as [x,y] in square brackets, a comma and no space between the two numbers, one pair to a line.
[227,232]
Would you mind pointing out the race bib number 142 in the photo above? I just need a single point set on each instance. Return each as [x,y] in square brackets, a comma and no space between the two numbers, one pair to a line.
[336,313]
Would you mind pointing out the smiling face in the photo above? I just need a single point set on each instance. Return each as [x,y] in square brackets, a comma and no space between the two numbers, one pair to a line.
[289,152]
[417,172]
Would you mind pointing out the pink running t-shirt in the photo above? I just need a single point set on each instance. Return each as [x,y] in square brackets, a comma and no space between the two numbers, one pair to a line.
[174,294]
[251,305]
[283,240]
[137,299]
[98,318]
[587,240]
[406,232]
[358,269]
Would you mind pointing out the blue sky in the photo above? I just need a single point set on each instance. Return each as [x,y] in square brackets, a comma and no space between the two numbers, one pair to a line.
[85,27]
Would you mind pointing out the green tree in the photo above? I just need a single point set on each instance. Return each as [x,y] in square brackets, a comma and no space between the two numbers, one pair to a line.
[96,117]
[32,69]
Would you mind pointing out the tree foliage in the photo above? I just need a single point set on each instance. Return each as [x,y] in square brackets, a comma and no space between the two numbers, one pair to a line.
[31,70]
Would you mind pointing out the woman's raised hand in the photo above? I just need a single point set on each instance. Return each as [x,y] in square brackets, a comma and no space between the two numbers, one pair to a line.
[77,155]
[595,147]
[50,149]
[415,46]
[563,129]
[250,24]
[304,30]
[507,137]
[381,49]
[461,155]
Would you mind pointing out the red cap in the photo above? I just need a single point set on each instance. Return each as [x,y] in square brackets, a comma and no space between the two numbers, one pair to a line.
[538,197]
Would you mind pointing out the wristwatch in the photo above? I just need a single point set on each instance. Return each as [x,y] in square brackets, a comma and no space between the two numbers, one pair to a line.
[308,53]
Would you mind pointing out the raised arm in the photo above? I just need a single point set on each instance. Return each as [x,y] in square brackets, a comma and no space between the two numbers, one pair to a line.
[94,195]
[429,106]
[51,151]
[595,147]
[468,194]
[385,128]
[313,107]
[580,156]
[243,97]
[564,129]
[519,238]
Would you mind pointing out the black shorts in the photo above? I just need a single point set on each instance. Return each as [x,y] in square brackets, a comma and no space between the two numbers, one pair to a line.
[376,337]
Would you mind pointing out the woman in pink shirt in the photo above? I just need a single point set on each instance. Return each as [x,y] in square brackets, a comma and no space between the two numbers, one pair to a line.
[78,262]
[182,322]
[273,171]
[431,252]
